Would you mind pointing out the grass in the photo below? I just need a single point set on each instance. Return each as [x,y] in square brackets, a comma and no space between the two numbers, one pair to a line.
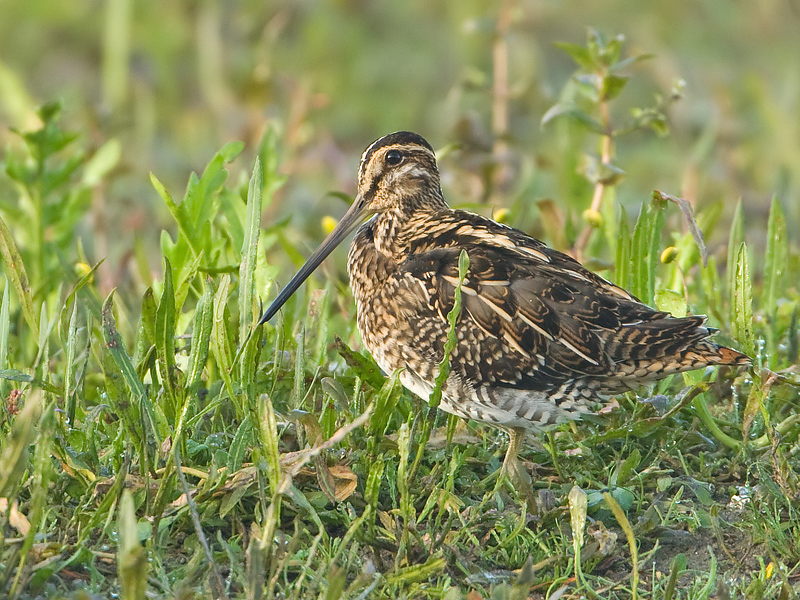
[155,444]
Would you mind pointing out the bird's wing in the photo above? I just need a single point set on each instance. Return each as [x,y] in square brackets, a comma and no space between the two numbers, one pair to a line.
[537,317]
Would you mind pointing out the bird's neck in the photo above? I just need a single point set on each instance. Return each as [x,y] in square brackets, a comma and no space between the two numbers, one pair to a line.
[395,229]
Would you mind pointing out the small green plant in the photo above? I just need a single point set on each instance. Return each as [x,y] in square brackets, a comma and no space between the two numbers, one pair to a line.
[54,181]
[587,99]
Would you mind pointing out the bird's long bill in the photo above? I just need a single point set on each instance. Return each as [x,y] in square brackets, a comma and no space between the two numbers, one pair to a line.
[351,219]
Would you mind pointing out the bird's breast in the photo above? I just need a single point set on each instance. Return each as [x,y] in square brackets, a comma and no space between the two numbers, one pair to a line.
[368,268]
[389,312]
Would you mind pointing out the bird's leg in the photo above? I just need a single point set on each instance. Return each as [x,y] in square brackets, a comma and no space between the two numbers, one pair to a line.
[511,465]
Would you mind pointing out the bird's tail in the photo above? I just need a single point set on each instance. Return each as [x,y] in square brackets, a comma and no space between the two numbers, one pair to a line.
[728,356]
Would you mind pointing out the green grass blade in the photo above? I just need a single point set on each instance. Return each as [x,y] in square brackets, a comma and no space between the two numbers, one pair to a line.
[15,269]
[742,317]
[4,329]
[140,412]
[300,369]
[710,586]
[248,307]
[199,204]
[644,251]
[69,366]
[162,191]
[385,403]
[201,337]
[268,441]
[775,266]
[435,565]
[17,375]
[249,253]
[653,253]
[317,322]
[39,483]
[638,249]
[622,271]
[43,357]
[754,406]
[444,365]
[186,277]
[735,239]
[407,511]
[713,289]
[268,154]
[677,566]
[220,342]
[147,337]
[248,363]
[450,343]
[619,515]
[14,459]
[118,398]
[776,257]
[242,440]
[132,562]
[87,279]
[361,365]
[165,342]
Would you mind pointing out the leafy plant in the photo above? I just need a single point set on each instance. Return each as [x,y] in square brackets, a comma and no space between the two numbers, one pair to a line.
[598,82]
[54,182]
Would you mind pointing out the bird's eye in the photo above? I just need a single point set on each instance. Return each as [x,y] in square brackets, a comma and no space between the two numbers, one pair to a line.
[394,157]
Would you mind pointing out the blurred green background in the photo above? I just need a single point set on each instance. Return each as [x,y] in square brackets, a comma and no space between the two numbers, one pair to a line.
[173,81]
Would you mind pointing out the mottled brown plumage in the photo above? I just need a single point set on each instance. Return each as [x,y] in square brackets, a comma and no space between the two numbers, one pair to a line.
[540,338]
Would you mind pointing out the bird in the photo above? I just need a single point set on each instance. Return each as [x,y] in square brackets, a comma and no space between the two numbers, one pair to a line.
[540,339]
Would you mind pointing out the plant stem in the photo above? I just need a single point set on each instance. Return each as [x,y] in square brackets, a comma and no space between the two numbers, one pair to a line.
[705,416]
[606,149]
[500,174]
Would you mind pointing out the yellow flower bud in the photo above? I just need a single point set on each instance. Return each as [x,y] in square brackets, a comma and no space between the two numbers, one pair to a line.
[501,215]
[328,223]
[82,269]
[669,254]
[593,217]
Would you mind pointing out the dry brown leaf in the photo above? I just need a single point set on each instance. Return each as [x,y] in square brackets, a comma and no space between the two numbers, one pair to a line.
[179,502]
[46,551]
[15,518]
[166,446]
[345,482]
[18,521]
[133,482]
[241,478]
[387,521]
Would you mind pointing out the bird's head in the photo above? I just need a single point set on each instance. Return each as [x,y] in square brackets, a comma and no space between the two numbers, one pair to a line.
[397,173]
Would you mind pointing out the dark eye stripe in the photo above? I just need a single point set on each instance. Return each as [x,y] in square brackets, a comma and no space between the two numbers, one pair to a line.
[373,185]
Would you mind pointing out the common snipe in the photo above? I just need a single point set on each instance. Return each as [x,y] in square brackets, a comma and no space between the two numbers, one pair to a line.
[541,339]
